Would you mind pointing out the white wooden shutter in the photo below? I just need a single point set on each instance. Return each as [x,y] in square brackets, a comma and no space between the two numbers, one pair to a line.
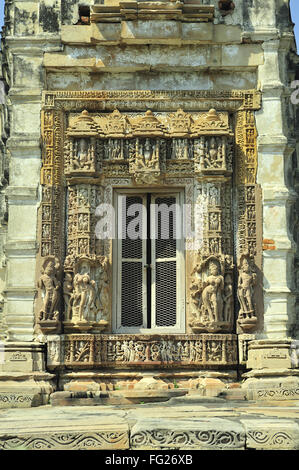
[168,300]
[132,303]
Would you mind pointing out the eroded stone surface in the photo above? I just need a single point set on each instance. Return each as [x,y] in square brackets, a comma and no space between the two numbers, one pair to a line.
[184,423]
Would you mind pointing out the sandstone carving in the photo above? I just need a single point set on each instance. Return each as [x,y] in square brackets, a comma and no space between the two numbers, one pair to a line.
[126,351]
[212,294]
[146,148]
[246,285]
[49,286]
[86,294]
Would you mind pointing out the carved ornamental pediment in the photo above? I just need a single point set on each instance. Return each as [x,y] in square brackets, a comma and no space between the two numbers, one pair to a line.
[148,143]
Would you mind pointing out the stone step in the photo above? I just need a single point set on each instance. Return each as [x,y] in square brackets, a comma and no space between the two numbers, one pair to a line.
[183,423]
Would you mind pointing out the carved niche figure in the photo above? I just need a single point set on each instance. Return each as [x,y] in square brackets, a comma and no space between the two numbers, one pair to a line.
[81,302]
[102,281]
[67,292]
[49,285]
[228,299]
[144,165]
[212,299]
[87,297]
[82,156]
[246,284]
[211,292]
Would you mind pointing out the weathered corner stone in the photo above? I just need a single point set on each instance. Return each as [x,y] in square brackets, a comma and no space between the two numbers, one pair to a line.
[269,355]
[267,434]
[272,388]
[27,392]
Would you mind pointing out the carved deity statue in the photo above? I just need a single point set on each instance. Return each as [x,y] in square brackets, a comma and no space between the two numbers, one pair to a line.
[246,283]
[83,298]
[50,286]
[67,292]
[212,295]
[82,158]
[228,299]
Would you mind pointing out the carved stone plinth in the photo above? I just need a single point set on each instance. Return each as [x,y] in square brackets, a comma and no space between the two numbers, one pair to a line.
[83,326]
[22,357]
[49,326]
[23,380]
[265,354]
[248,324]
[275,374]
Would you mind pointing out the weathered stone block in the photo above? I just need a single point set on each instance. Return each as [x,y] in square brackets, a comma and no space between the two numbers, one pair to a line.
[271,355]
[75,34]
[188,434]
[197,33]
[25,390]
[271,434]
[23,357]
[105,32]
[245,55]
[272,388]
[227,34]
[151,32]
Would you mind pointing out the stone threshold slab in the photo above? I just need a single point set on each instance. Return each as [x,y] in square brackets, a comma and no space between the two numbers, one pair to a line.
[203,425]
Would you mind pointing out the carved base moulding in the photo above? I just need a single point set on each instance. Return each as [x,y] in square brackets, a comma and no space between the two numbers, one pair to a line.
[149,351]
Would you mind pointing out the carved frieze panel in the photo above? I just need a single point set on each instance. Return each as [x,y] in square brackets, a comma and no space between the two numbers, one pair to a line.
[125,351]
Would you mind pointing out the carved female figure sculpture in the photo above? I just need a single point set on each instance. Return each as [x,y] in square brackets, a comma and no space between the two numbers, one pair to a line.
[214,221]
[67,292]
[50,286]
[212,154]
[246,283]
[228,299]
[212,295]
[87,297]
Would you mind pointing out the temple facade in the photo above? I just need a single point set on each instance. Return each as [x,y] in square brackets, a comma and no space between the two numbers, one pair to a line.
[149,198]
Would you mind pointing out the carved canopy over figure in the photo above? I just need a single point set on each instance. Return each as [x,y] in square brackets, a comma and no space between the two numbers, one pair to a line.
[50,286]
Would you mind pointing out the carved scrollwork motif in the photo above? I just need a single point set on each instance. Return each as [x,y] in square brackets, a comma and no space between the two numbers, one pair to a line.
[192,439]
